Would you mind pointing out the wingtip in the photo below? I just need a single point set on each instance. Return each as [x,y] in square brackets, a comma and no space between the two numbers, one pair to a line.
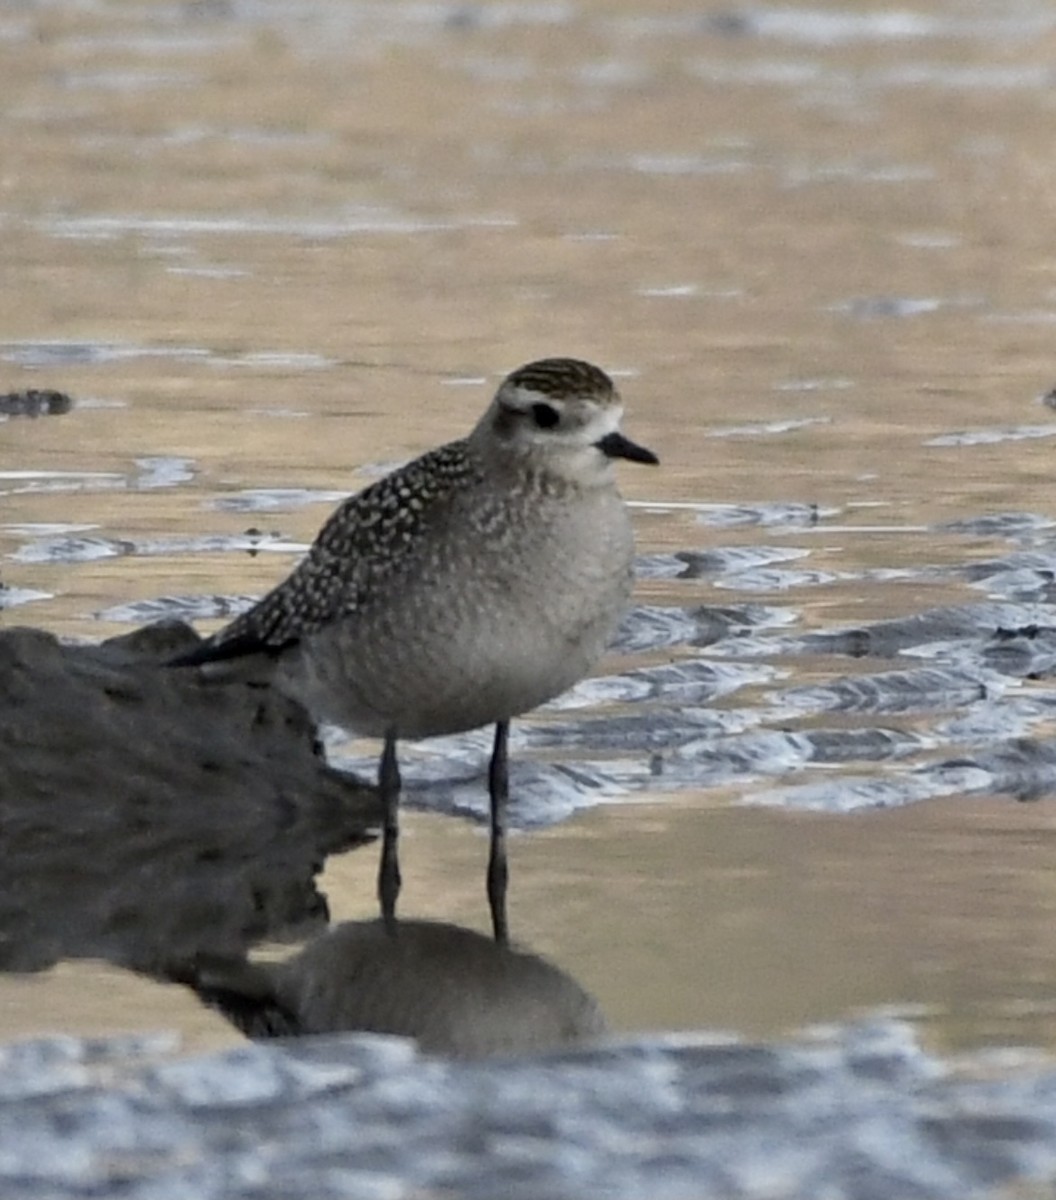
[207,652]
[189,658]
[242,992]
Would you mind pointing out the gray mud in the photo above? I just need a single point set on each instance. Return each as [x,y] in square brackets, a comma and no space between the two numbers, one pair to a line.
[858,1113]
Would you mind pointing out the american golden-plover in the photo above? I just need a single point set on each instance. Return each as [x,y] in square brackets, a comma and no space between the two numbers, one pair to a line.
[463,589]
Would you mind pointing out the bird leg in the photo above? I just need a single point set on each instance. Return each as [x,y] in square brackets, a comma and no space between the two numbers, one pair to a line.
[499,793]
[389,868]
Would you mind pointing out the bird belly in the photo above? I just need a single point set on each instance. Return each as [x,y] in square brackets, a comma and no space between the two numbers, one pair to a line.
[455,651]
[430,687]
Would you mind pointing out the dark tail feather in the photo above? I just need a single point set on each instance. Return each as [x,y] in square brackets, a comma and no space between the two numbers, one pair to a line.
[239,990]
[241,646]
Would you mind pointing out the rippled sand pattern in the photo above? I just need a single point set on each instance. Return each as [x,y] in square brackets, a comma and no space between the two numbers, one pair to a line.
[270,249]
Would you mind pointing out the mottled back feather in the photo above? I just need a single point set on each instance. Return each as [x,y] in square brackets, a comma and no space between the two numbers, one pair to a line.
[363,541]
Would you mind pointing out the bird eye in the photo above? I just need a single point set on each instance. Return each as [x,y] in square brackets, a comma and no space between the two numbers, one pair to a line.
[545,416]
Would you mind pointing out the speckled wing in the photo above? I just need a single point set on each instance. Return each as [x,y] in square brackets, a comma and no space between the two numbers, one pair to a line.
[365,539]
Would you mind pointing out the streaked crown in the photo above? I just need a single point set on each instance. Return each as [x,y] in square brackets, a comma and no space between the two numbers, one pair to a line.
[562,379]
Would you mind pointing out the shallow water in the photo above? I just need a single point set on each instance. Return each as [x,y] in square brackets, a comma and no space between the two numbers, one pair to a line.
[270,250]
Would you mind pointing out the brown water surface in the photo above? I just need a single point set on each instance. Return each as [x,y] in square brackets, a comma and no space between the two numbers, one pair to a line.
[273,246]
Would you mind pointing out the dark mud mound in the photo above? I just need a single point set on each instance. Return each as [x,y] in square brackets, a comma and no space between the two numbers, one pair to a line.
[146,815]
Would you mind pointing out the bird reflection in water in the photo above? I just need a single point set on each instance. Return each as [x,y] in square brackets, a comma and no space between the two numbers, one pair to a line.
[454,991]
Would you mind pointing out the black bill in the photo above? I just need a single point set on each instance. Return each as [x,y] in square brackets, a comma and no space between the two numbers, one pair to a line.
[615,445]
